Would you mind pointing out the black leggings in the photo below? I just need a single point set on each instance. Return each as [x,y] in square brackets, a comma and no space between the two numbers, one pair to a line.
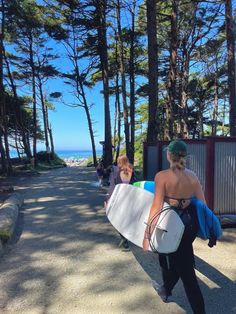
[180,264]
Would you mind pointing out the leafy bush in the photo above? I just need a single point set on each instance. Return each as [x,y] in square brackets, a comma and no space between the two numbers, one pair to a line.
[89,162]
[42,156]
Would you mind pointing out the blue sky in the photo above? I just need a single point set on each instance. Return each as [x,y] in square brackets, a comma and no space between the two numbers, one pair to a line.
[70,127]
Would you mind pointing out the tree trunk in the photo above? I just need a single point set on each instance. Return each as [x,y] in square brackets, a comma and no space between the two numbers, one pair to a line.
[16,144]
[48,151]
[183,110]
[132,85]
[50,134]
[7,150]
[51,141]
[86,108]
[91,135]
[2,105]
[101,6]
[18,111]
[117,105]
[231,66]
[5,154]
[170,110]
[3,157]
[201,130]
[152,71]
[215,110]
[32,65]
[123,83]
[224,116]
[115,139]
[118,117]
[80,92]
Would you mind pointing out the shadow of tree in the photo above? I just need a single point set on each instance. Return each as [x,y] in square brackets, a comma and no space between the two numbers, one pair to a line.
[64,257]
[218,299]
[64,254]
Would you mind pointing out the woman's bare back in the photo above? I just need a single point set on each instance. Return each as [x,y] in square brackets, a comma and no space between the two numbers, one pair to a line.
[180,185]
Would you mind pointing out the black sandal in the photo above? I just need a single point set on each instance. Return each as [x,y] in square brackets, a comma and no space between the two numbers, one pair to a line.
[161,290]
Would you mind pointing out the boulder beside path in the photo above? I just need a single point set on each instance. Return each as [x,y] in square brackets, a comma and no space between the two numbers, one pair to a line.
[9,211]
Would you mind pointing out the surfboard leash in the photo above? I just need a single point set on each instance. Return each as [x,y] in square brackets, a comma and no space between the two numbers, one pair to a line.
[150,228]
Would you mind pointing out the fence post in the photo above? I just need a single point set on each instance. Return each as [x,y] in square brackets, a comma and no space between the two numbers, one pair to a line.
[210,171]
[145,149]
[159,154]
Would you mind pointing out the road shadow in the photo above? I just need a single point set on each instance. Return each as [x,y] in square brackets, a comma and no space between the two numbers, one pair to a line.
[219,299]
[63,234]
[63,219]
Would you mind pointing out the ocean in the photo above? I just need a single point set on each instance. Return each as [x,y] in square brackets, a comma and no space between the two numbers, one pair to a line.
[70,154]
[76,154]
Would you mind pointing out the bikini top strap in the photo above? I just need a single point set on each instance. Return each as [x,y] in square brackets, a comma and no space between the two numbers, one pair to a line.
[180,200]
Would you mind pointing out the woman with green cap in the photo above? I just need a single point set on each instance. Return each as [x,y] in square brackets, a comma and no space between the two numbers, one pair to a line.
[176,186]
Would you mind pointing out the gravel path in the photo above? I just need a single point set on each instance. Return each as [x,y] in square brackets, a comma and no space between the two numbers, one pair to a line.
[65,259]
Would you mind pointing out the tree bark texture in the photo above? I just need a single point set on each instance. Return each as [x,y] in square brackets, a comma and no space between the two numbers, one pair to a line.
[152,71]
[171,84]
[123,82]
[5,152]
[231,66]
[34,101]
[101,6]
[132,84]
[18,111]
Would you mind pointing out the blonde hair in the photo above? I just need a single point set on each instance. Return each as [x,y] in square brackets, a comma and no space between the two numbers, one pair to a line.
[177,161]
[124,164]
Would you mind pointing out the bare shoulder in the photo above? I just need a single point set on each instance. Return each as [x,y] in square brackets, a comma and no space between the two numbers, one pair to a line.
[190,173]
[161,174]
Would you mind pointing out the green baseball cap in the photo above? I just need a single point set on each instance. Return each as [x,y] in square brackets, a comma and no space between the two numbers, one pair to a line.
[177,147]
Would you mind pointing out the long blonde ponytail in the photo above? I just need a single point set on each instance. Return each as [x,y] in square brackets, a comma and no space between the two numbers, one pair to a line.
[177,162]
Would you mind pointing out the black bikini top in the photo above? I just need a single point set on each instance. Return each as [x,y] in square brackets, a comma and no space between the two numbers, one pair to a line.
[181,201]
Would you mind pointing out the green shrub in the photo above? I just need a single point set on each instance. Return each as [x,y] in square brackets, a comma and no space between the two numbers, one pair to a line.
[89,162]
[42,156]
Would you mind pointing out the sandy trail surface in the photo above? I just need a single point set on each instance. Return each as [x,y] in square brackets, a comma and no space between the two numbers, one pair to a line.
[65,258]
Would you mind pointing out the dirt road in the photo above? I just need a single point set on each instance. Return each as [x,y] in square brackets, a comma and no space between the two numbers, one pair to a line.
[65,257]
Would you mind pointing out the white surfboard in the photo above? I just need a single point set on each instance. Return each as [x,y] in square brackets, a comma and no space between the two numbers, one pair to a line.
[128,210]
